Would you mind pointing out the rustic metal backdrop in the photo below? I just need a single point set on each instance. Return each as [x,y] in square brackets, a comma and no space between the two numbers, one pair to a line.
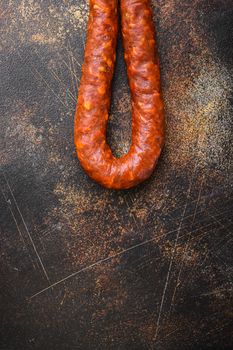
[87,268]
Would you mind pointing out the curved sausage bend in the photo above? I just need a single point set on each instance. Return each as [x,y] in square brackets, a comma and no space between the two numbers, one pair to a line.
[95,93]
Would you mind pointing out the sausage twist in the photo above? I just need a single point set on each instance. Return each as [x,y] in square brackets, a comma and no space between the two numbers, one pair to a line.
[94,97]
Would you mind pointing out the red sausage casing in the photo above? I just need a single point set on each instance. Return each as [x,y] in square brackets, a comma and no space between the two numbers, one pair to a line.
[94,97]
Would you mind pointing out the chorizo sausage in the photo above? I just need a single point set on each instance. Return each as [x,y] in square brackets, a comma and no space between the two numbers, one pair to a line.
[94,96]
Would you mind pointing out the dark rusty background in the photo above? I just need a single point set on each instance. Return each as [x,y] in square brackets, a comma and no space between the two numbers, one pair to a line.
[87,268]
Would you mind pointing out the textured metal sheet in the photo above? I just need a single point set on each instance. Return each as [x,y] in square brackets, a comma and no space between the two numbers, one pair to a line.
[87,268]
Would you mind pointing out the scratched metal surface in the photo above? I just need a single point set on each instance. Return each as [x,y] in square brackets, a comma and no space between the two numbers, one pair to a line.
[87,268]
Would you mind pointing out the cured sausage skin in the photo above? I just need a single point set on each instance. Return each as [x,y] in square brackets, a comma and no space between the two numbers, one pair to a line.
[94,97]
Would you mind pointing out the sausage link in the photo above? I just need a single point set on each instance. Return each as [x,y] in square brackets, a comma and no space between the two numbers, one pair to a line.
[94,97]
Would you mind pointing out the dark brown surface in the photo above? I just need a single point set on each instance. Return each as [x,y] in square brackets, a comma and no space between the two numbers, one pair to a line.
[94,96]
[87,268]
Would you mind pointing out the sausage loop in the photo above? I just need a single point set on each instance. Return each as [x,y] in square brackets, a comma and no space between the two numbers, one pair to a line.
[94,96]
